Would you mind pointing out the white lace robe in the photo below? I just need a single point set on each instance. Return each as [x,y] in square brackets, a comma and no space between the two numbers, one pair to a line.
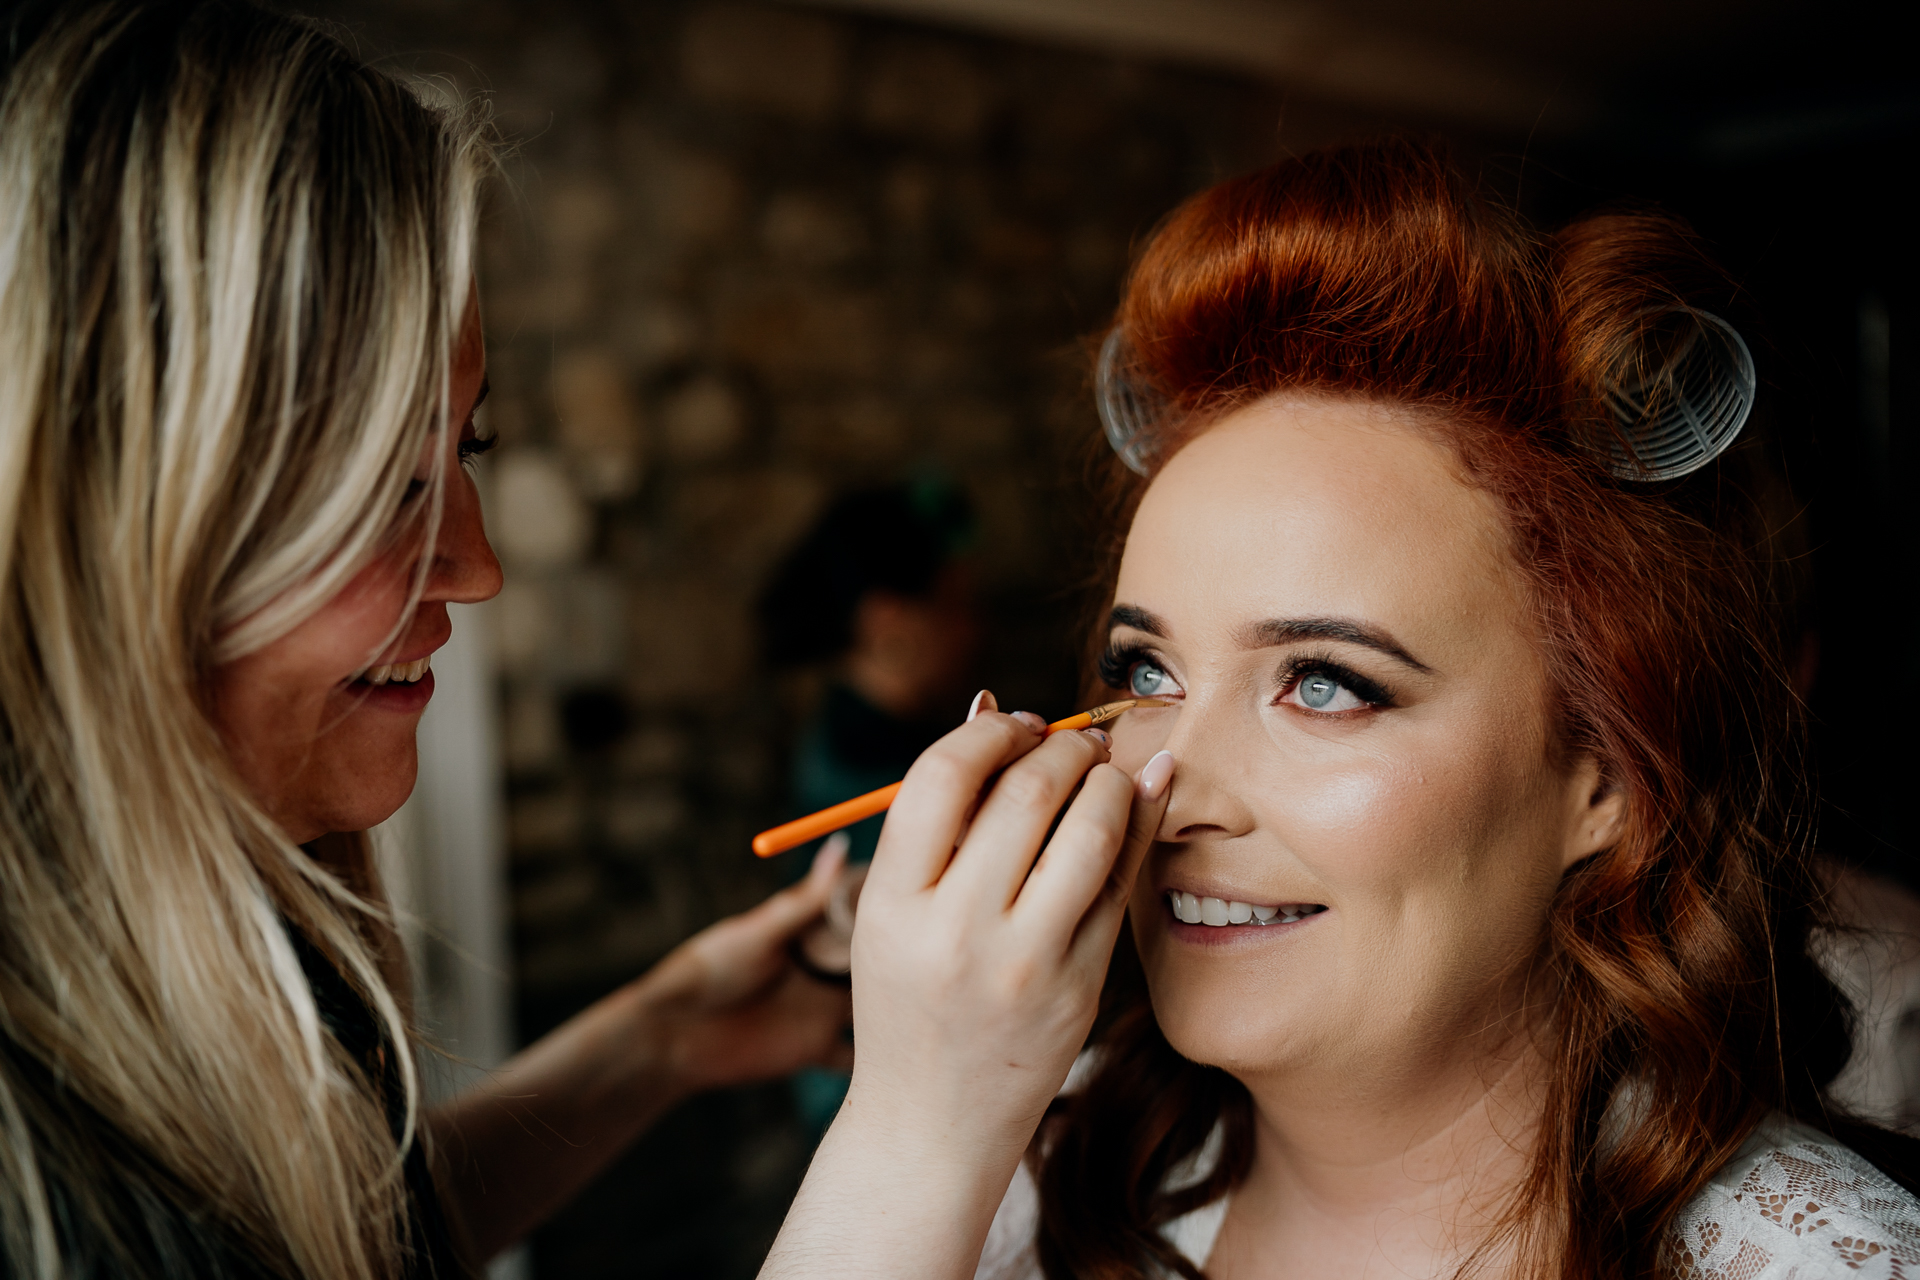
[1793,1204]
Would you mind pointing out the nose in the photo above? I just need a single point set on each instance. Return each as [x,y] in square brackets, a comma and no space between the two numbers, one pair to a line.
[1212,778]
[465,569]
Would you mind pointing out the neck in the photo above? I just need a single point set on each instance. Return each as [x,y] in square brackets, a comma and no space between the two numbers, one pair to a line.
[1404,1169]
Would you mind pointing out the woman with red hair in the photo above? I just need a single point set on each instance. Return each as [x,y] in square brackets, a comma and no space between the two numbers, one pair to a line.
[1472,936]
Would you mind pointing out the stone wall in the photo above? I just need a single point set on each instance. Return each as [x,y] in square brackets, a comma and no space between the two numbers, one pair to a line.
[747,257]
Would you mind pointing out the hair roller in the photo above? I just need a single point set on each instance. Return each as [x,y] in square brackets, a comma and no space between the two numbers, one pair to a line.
[1129,408]
[1667,386]
[1679,394]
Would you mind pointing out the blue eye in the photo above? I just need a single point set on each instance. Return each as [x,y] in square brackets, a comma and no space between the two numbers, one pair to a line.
[1146,680]
[1318,691]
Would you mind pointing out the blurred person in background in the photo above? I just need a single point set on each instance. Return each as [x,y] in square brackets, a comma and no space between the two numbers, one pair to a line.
[877,592]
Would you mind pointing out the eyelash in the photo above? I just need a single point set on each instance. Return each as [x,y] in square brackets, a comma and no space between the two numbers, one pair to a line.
[1374,695]
[1117,660]
[471,450]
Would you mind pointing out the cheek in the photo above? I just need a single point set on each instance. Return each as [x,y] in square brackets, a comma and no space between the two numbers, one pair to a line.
[1440,862]
[348,630]
[1445,823]
[296,675]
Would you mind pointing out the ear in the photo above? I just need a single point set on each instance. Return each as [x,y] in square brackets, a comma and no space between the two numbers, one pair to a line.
[1596,813]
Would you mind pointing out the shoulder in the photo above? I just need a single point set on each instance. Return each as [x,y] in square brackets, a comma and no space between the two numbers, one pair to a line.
[1795,1204]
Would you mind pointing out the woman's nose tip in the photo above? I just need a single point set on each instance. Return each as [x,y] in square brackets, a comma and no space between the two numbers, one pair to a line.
[466,570]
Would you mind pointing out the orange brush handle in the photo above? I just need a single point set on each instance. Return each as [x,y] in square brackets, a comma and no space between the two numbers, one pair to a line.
[791,835]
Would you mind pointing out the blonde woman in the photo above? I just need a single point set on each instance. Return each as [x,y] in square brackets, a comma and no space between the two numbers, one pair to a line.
[239,359]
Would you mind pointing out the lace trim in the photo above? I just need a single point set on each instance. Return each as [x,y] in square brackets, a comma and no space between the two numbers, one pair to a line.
[1795,1205]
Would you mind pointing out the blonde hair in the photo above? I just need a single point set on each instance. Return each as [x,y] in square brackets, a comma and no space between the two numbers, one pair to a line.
[233,264]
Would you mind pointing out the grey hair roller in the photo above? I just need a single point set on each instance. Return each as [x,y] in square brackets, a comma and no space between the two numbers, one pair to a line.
[1127,409]
[1683,397]
[1679,400]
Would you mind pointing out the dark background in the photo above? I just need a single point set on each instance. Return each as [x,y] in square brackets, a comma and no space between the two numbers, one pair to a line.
[747,257]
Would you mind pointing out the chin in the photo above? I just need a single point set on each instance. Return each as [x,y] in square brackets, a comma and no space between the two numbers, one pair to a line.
[370,794]
[1217,1032]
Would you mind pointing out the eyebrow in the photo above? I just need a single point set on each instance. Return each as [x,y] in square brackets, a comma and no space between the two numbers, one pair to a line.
[1279,631]
[1127,615]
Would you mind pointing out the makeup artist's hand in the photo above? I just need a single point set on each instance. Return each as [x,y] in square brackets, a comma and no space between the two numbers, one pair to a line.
[977,965]
[731,1006]
[725,1007]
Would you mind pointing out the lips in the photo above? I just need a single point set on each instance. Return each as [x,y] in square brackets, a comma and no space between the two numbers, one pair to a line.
[399,696]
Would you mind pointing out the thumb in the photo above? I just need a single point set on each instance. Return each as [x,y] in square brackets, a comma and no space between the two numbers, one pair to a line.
[798,906]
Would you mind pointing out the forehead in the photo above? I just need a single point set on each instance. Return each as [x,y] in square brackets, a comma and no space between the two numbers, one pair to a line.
[1319,506]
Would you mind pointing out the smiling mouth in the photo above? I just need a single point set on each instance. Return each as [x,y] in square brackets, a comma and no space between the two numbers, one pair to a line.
[398,672]
[1222,913]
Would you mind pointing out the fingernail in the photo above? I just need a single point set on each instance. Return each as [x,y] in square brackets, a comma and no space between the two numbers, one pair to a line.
[980,702]
[1154,778]
[1031,720]
[1099,735]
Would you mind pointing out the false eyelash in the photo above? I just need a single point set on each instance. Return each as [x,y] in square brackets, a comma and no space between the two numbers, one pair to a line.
[1117,659]
[471,450]
[1313,664]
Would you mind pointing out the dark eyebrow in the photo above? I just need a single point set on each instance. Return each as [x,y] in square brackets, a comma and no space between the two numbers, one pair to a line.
[1276,631]
[1126,615]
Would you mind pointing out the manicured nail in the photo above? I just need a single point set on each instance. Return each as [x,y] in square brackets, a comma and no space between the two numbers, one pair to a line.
[1031,720]
[982,701]
[1099,735]
[1155,777]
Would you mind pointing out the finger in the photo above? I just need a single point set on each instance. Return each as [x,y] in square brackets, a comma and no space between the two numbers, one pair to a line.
[1007,833]
[1080,859]
[982,701]
[827,863]
[797,906]
[1100,925]
[939,790]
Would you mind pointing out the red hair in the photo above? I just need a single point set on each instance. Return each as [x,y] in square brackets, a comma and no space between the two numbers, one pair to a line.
[1679,957]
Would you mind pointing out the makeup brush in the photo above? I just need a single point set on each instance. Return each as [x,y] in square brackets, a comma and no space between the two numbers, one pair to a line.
[789,835]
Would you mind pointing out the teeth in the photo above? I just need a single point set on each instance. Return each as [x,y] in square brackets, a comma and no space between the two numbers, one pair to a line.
[399,672]
[1220,912]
